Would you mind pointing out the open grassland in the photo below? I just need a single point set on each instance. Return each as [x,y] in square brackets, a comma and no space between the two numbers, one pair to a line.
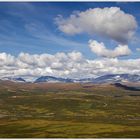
[68,111]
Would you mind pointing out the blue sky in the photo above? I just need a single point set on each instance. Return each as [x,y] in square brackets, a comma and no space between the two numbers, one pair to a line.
[31,28]
[69,39]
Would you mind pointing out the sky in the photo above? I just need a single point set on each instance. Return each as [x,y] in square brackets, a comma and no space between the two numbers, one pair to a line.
[69,39]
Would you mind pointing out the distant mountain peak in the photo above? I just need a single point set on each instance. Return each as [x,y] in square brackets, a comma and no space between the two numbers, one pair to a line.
[14,79]
[111,78]
[52,79]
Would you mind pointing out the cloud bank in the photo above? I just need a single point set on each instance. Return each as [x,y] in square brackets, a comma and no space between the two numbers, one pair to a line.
[110,22]
[101,50]
[72,65]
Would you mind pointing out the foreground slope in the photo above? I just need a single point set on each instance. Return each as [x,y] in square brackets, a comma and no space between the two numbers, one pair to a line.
[73,110]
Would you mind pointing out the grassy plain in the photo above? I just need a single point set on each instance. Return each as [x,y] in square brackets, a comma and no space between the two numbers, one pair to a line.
[68,111]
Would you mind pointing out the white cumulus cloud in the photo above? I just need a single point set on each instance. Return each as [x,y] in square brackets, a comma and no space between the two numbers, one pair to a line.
[100,49]
[72,64]
[109,22]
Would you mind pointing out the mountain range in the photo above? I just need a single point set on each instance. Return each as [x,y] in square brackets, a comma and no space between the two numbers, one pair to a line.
[110,78]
